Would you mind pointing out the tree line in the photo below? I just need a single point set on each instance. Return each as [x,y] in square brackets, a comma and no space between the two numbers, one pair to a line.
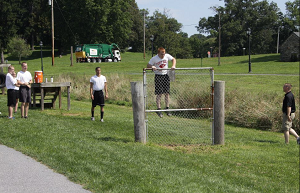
[122,22]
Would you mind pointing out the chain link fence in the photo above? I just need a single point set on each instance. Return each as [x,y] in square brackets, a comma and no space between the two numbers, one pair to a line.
[188,120]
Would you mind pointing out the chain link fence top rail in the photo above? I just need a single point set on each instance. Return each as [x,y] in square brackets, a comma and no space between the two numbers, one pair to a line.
[189,117]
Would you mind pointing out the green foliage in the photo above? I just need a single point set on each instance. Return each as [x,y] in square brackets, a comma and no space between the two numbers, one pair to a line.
[18,47]
[262,17]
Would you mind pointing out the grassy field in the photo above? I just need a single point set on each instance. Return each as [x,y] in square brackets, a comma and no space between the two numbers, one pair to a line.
[103,157]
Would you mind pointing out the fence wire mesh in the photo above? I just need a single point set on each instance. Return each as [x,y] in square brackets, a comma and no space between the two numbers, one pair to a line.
[188,120]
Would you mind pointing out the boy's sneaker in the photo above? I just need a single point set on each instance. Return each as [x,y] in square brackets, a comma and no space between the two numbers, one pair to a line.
[12,118]
[93,118]
[101,120]
[169,113]
[159,114]
[298,140]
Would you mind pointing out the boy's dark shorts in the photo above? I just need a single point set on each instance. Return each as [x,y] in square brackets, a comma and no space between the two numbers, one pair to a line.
[162,84]
[98,99]
[25,94]
[17,94]
[11,98]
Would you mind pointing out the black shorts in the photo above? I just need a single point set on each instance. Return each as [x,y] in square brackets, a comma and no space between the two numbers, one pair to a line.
[11,98]
[162,84]
[17,94]
[98,99]
[25,94]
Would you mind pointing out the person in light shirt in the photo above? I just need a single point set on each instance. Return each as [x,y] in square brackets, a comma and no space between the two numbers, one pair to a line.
[10,84]
[24,79]
[98,83]
[162,79]
[17,87]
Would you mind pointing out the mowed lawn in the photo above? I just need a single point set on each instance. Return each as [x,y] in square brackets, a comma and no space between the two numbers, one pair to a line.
[103,157]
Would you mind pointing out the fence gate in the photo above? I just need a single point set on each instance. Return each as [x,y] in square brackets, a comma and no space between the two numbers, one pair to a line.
[190,107]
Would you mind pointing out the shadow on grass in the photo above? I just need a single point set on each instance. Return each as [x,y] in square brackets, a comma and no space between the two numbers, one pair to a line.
[113,139]
[274,58]
[36,54]
[266,141]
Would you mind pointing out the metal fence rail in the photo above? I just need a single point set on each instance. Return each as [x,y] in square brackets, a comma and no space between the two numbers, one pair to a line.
[190,107]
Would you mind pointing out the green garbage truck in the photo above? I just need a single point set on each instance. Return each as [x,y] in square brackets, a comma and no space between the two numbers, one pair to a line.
[97,53]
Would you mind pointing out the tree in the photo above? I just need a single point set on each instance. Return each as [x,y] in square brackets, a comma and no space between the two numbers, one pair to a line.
[236,17]
[18,47]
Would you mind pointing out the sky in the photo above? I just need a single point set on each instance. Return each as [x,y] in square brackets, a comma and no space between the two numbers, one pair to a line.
[189,12]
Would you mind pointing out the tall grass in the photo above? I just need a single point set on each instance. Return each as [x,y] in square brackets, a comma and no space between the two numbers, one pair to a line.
[242,108]
[118,86]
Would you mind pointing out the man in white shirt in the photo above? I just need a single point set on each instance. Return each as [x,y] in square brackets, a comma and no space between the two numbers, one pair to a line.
[10,84]
[24,79]
[162,80]
[97,84]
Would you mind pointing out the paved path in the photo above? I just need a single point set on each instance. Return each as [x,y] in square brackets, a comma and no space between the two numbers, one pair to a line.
[22,174]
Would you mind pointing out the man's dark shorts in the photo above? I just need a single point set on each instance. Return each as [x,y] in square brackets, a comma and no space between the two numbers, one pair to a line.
[98,99]
[11,98]
[25,94]
[162,84]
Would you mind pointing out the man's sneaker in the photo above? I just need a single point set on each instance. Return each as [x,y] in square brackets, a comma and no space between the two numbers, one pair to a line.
[169,113]
[159,114]
[101,120]
[12,118]
[298,140]
[93,118]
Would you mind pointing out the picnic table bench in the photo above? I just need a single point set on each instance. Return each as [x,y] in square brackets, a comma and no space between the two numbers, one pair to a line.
[49,91]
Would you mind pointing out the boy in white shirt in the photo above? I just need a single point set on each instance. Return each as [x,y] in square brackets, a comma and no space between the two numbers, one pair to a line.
[16,91]
[162,80]
[10,83]
[24,79]
[97,84]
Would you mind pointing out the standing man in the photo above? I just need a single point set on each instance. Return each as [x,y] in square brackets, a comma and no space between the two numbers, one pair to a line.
[24,79]
[97,84]
[10,83]
[162,79]
[288,109]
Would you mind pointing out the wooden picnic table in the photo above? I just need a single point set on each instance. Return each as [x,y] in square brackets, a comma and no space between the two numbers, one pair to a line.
[49,89]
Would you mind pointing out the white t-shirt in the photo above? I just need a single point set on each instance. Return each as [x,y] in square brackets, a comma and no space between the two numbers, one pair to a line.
[10,81]
[24,76]
[160,63]
[98,82]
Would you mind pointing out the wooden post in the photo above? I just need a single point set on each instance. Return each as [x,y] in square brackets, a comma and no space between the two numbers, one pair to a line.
[42,99]
[219,112]
[68,94]
[138,111]
[59,97]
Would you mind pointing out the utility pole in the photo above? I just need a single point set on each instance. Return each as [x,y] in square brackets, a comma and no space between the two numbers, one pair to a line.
[144,38]
[52,18]
[278,40]
[219,62]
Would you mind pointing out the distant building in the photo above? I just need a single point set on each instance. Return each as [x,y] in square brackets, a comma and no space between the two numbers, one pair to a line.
[289,50]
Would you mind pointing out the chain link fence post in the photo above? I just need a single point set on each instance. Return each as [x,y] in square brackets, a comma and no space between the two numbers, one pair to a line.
[137,94]
[219,114]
